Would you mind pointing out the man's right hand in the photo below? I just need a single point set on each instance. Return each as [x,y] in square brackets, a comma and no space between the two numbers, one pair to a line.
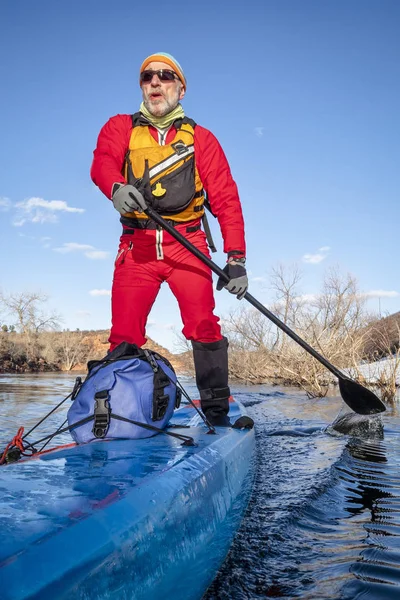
[126,198]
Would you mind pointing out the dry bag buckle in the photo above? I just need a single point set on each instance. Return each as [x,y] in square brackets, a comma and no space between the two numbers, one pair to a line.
[151,360]
[178,398]
[160,405]
[102,414]
[77,387]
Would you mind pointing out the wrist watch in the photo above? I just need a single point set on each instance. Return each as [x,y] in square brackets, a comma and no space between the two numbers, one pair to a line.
[239,261]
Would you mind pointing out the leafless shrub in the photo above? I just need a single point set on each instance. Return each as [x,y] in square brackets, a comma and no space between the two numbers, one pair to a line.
[332,322]
[29,318]
[386,336]
[66,348]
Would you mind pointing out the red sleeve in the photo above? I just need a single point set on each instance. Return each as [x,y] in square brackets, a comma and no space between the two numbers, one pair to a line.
[109,155]
[221,189]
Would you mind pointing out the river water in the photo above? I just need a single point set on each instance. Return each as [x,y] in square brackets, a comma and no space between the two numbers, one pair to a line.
[323,521]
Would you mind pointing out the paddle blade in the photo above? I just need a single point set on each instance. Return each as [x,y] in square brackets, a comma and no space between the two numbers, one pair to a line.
[359,398]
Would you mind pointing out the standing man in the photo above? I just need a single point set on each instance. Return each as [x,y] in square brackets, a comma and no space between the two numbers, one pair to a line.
[159,157]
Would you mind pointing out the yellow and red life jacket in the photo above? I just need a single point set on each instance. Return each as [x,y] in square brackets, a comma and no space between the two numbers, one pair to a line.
[176,189]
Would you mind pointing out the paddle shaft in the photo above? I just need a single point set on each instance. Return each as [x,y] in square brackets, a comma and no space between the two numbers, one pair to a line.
[218,271]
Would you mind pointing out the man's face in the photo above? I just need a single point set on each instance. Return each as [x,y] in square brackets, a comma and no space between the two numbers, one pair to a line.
[161,97]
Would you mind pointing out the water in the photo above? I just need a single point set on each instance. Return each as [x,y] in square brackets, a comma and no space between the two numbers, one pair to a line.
[324,518]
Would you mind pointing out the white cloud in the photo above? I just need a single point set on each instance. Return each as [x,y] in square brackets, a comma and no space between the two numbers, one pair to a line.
[160,326]
[38,210]
[313,259]
[381,294]
[45,242]
[303,299]
[259,131]
[318,257]
[97,254]
[82,314]
[306,298]
[73,247]
[5,204]
[89,251]
[100,292]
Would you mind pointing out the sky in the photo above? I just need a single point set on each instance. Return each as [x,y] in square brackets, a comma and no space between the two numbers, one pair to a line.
[303,96]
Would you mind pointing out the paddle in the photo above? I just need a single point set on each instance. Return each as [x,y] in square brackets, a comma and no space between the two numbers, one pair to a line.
[357,397]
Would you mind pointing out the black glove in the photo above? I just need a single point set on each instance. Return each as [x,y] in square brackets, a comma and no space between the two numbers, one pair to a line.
[126,198]
[238,283]
[143,184]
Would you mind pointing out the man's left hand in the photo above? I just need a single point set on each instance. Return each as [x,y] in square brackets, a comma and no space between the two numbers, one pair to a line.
[238,282]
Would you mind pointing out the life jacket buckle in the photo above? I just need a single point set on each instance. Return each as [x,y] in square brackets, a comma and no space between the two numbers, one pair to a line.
[180,148]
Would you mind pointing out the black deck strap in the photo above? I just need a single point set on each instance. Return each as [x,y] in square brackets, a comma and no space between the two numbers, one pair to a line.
[243,422]
[183,392]
[60,431]
[46,416]
[187,440]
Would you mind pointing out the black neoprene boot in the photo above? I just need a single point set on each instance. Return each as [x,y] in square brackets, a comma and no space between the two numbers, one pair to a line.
[211,366]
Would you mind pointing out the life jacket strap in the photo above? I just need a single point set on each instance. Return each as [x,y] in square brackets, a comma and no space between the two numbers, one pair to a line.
[151,225]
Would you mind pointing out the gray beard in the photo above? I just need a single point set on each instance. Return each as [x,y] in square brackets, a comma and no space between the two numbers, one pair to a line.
[169,106]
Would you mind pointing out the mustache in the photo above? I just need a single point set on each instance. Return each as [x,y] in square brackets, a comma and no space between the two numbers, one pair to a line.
[155,91]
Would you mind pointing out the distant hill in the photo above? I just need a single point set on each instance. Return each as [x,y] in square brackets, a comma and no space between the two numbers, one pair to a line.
[383,336]
[98,343]
[63,351]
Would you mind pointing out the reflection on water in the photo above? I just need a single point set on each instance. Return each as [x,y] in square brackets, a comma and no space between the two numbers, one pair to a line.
[324,518]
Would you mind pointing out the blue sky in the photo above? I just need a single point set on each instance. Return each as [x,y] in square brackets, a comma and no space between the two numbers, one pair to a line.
[303,95]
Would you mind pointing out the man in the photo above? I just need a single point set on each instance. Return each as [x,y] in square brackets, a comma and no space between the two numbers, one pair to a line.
[161,158]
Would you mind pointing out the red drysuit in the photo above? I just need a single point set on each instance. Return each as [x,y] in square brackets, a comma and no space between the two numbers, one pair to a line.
[147,257]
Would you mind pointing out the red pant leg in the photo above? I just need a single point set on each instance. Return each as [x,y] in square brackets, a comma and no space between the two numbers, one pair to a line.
[190,281]
[135,286]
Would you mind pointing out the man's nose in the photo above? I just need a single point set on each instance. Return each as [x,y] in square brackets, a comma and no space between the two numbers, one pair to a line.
[155,81]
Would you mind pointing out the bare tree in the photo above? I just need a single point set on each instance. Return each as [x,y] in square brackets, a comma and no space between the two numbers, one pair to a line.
[72,349]
[333,322]
[386,339]
[30,317]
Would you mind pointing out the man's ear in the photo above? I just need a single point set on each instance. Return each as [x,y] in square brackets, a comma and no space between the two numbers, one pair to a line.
[182,93]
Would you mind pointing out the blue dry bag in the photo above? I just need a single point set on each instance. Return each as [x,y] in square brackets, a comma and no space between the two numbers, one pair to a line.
[125,395]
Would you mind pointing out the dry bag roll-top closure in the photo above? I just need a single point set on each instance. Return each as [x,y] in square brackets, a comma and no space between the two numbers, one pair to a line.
[129,394]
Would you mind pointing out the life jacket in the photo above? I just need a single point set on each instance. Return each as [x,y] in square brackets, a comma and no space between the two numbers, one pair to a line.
[177,191]
[128,394]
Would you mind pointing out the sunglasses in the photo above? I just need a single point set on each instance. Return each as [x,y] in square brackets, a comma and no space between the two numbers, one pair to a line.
[162,74]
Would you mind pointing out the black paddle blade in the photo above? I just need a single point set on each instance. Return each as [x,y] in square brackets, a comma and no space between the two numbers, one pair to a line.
[359,398]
